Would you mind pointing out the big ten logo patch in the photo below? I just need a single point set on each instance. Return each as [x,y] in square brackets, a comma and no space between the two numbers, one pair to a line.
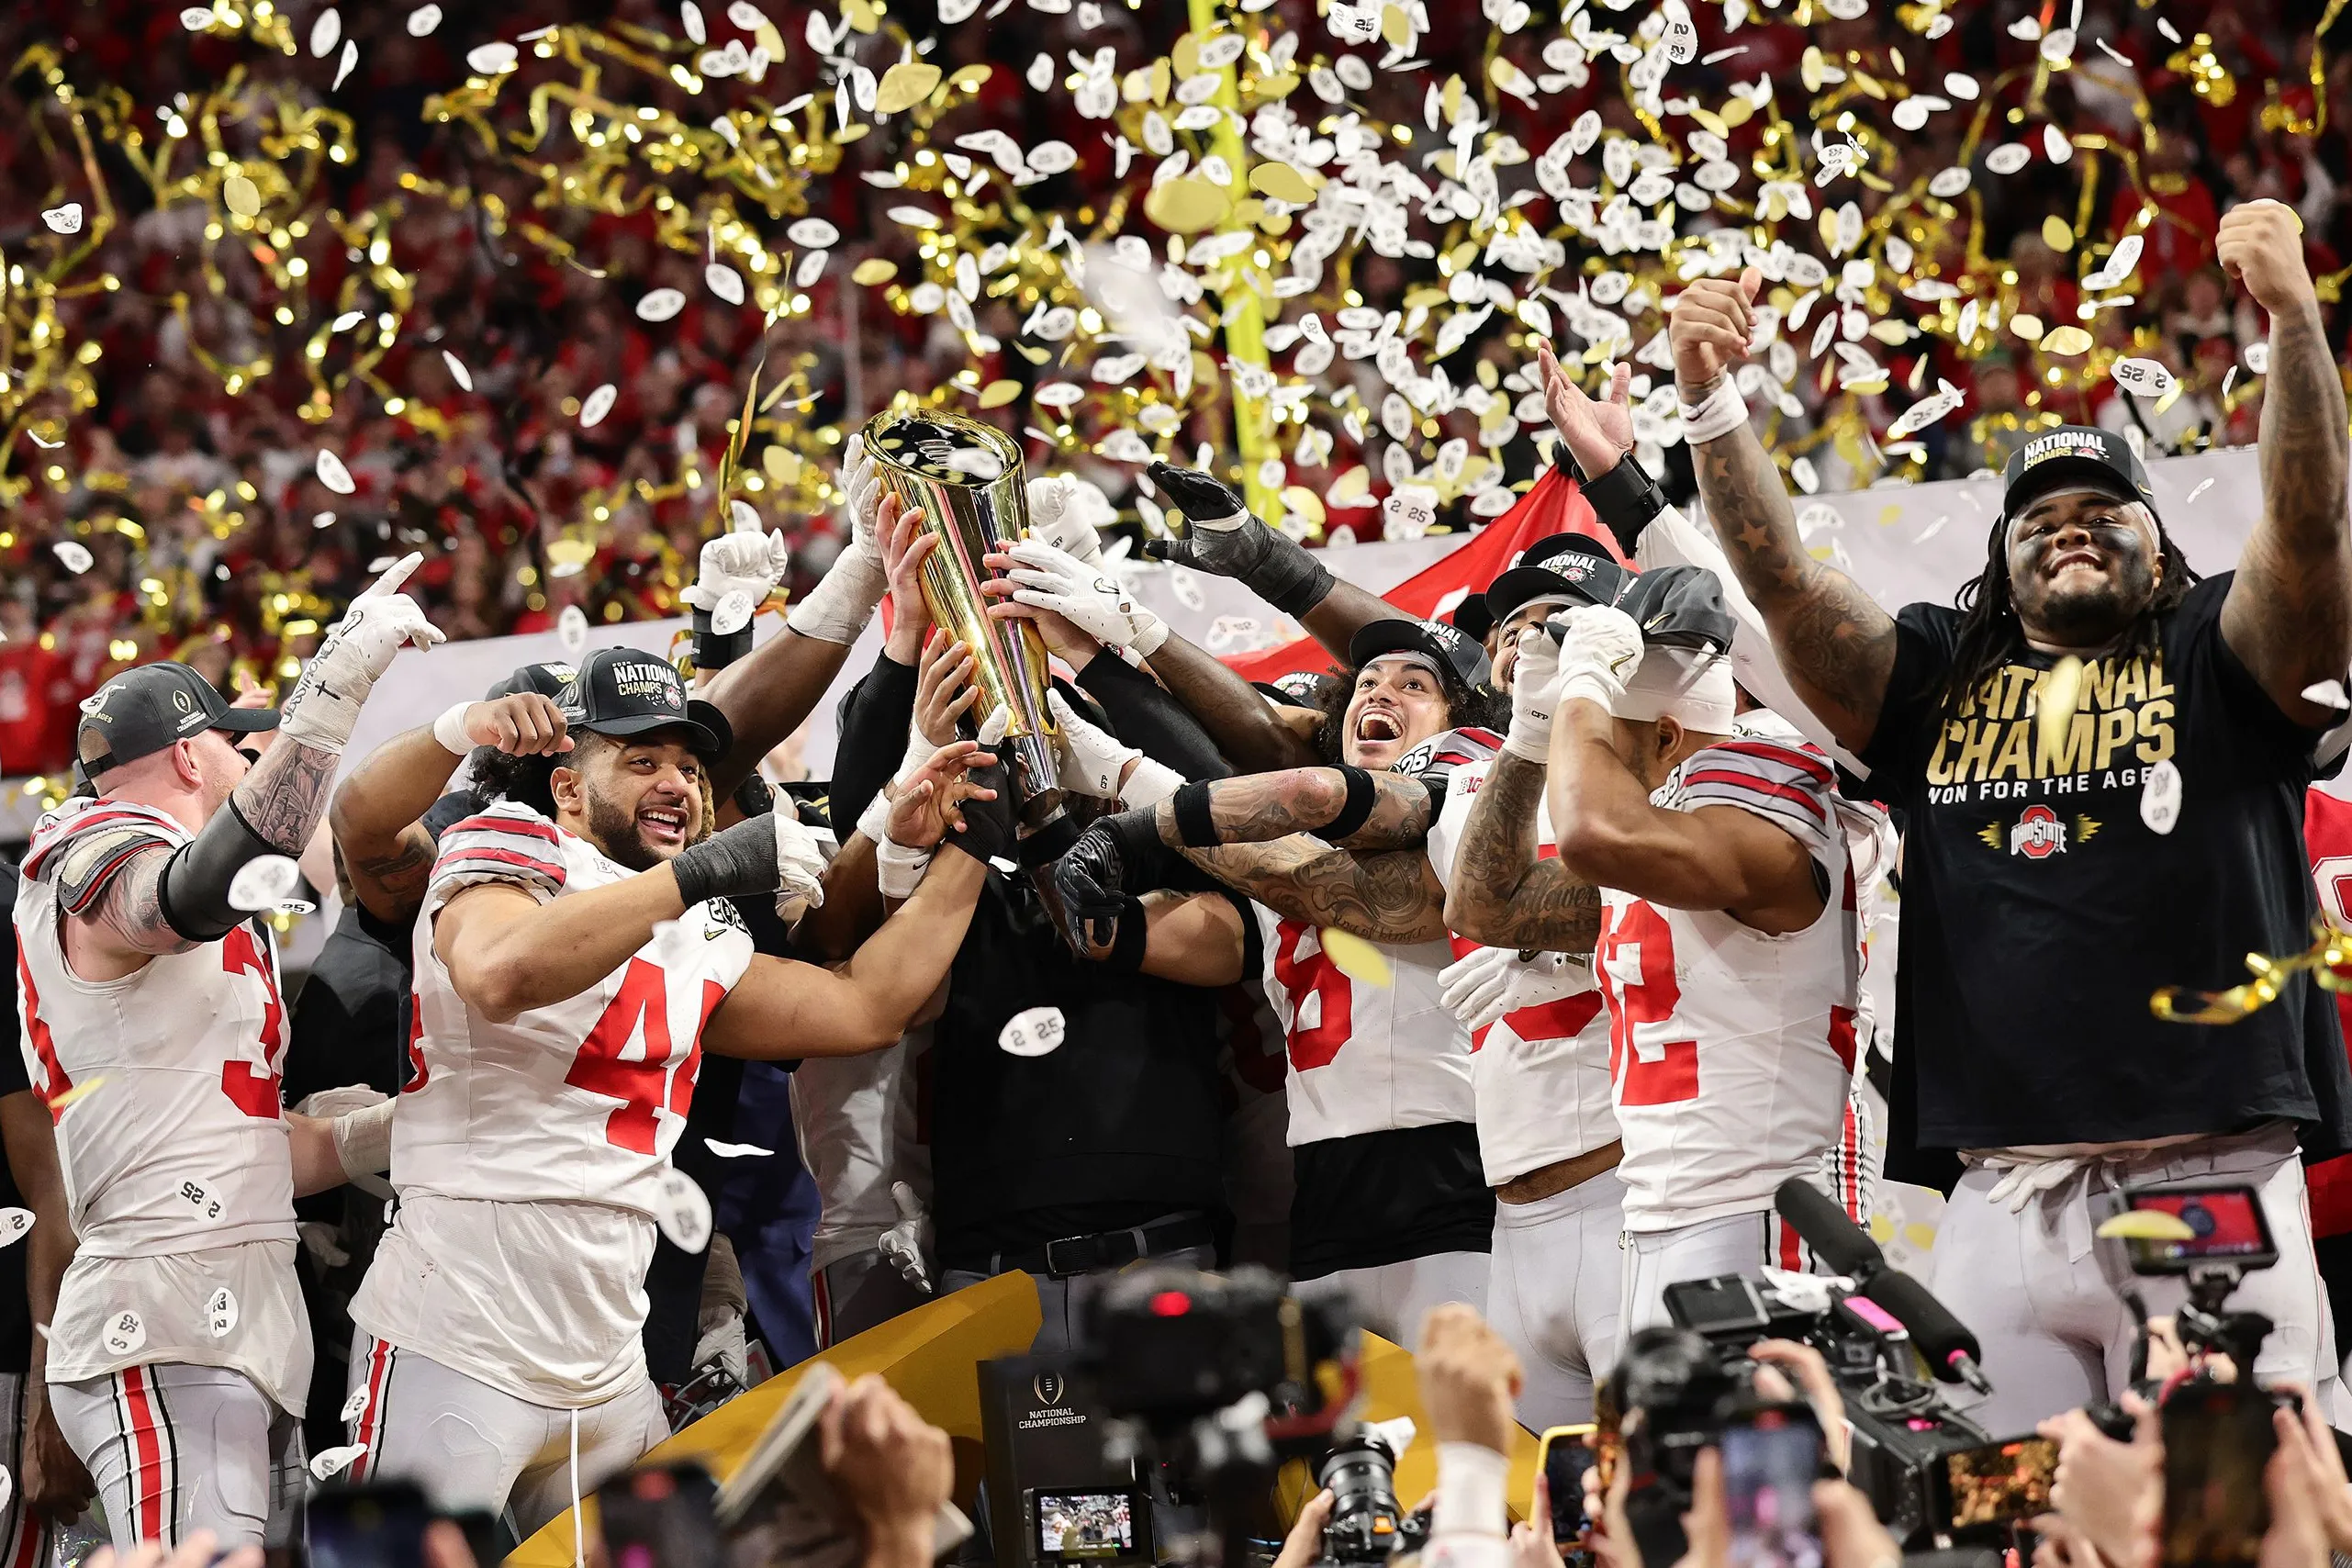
[1995,748]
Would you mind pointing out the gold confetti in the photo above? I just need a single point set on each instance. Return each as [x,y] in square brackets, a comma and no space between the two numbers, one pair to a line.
[2066,340]
[2056,695]
[1281,181]
[83,1090]
[1357,959]
[240,196]
[996,394]
[904,86]
[2057,233]
[873,270]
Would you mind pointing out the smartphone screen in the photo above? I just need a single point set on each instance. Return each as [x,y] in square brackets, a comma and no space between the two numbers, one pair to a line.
[1566,1457]
[660,1517]
[1769,1469]
[2217,1441]
[1994,1483]
[2226,1225]
[1080,1526]
[380,1525]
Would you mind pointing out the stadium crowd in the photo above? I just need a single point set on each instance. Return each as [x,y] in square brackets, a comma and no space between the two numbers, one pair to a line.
[239,554]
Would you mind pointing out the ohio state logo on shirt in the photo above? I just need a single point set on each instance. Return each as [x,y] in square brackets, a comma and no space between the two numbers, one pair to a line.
[2039,833]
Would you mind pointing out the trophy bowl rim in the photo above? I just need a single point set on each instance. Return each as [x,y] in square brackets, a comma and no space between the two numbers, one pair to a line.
[1002,445]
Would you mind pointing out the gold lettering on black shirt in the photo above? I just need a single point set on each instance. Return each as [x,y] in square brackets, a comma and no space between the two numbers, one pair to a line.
[1993,749]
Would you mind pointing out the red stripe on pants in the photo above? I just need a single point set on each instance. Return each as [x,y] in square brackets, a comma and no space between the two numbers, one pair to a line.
[822,1300]
[379,1365]
[147,1443]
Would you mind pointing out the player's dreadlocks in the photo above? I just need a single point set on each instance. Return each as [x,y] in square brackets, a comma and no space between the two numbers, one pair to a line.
[1990,635]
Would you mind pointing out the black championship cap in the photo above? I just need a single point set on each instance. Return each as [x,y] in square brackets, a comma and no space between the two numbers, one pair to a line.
[144,710]
[1680,607]
[1446,646]
[623,692]
[547,679]
[2067,456]
[1568,565]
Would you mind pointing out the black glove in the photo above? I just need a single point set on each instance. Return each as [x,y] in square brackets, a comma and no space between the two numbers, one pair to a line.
[1117,856]
[733,864]
[1625,498]
[991,828]
[1222,539]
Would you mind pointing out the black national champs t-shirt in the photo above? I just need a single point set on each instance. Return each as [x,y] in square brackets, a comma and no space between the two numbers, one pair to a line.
[2040,910]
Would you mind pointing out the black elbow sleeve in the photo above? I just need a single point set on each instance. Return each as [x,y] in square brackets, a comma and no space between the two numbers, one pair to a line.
[195,885]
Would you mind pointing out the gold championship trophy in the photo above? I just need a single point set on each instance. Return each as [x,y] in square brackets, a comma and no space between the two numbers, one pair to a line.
[967,478]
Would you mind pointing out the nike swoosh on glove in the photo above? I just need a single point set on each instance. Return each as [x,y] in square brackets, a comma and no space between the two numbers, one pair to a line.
[1089,597]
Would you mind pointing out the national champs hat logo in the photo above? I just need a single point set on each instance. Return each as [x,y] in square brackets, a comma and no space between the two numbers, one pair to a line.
[649,677]
[1049,1387]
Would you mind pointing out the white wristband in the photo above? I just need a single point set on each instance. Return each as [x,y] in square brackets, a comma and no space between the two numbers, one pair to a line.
[1529,738]
[898,870]
[874,821]
[1150,635]
[1719,413]
[1150,783]
[449,730]
[1472,1480]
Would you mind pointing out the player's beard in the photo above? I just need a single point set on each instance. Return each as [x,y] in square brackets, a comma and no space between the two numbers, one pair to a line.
[614,827]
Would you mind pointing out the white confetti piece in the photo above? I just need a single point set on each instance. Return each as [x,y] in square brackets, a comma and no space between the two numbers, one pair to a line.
[125,1332]
[356,1405]
[2160,797]
[14,1223]
[66,220]
[737,1150]
[597,404]
[724,282]
[2055,144]
[351,57]
[1035,1032]
[682,1211]
[333,474]
[813,233]
[74,555]
[423,20]
[198,1196]
[318,519]
[263,882]
[326,32]
[2257,358]
[1961,85]
[691,14]
[195,18]
[746,16]
[660,305]
[328,1463]
[2327,693]
[347,320]
[2008,157]
[2203,485]
[733,614]
[572,628]
[490,59]
[457,371]
[221,1313]
[2142,377]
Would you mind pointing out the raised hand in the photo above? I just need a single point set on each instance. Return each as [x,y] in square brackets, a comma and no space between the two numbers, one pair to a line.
[1600,648]
[1597,435]
[2260,243]
[928,804]
[751,564]
[944,689]
[1117,856]
[1713,323]
[325,703]
[905,545]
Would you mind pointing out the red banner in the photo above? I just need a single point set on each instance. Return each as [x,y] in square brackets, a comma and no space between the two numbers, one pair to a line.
[1551,505]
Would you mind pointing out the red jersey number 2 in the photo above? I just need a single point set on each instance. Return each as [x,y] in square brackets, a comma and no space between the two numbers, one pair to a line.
[256,1093]
[1312,1044]
[1640,943]
[648,1084]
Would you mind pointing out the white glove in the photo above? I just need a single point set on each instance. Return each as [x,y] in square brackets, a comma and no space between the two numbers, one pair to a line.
[799,859]
[381,621]
[750,563]
[1062,509]
[723,1343]
[1600,648]
[359,1119]
[1535,694]
[1091,761]
[1480,992]
[1087,596]
[838,608]
[906,1243]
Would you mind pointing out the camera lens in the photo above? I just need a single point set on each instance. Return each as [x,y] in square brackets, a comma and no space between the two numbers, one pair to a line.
[1365,1519]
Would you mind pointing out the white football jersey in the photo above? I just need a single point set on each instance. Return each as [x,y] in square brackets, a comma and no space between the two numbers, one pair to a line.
[172,1141]
[1540,1074]
[530,1156]
[1732,1049]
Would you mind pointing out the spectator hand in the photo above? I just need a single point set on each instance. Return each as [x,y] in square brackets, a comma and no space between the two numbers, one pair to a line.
[2317,1470]
[927,804]
[751,564]
[1810,1375]
[1535,696]
[2260,243]
[1090,599]
[1852,1535]
[946,690]
[521,725]
[1303,1547]
[195,1551]
[907,1244]
[1600,648]
[2109,1493]
[1707,1527]
[1487,983]
[1059,508]
[359,648]
[894,1468]
[1597,435]
[1531,1542]
[1713,322]
[1470,1380]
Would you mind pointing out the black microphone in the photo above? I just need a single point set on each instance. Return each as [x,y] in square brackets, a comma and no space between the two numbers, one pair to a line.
[1843,1247]
[1950,1350]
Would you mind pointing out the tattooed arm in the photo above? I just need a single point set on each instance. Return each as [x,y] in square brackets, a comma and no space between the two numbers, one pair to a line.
[1835,643]
[1258,808]
[2289,614]
[1502,895]
[1392,897]
[1245,726]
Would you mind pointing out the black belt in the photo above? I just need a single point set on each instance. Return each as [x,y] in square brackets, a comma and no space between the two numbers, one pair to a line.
[1106,1249]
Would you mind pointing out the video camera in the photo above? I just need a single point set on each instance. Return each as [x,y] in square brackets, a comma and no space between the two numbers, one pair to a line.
[1929,1472]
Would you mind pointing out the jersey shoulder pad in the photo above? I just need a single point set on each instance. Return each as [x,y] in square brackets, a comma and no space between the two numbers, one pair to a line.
[1794,786]
[84,844]
[505,842]
[1437,757]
